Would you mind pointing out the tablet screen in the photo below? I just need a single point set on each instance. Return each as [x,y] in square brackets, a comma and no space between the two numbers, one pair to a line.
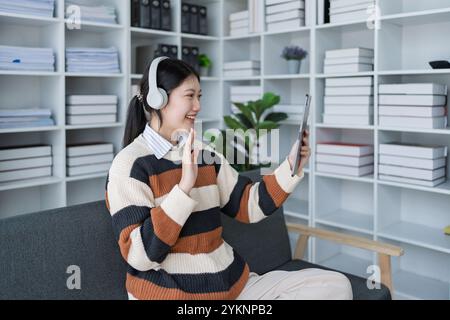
[301,132]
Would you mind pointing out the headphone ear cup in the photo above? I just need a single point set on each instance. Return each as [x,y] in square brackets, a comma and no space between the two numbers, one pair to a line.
[164,96]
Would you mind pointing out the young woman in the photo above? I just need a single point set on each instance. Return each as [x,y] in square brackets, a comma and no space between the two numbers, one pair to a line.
[166,202]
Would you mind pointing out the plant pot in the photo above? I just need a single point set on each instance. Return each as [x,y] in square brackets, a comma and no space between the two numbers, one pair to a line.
[294,66]
[204,72]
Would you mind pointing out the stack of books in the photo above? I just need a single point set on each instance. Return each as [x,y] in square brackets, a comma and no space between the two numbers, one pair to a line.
[423,165]
[285,14]
[26,58]
[89,158]
[348,101]
[21,163]
[344,158]
[244,94]
[41,8]
[414,105]
[91,13]
[91,109]
[348,60]
[239,23]
[246,68]
[92,60]
[25,118]
[156,14]
[351,10]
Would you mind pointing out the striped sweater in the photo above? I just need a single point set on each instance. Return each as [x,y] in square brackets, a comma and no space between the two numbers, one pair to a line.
[172,241]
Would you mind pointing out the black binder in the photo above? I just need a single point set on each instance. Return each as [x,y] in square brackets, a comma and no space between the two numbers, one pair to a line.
[166,15]
[203,20]
[135,13]
[186,54]
[194,19]
[155,14]
[173,52]
[185,17]
[194,59]
[145,14]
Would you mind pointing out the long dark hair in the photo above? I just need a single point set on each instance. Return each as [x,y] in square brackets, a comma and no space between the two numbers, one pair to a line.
[171,74]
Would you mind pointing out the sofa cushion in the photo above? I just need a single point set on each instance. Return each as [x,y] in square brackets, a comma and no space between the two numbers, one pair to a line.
[359,287]
[263,245]
[38,248]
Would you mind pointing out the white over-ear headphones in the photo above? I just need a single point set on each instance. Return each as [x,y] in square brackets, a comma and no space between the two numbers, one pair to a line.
[157,98]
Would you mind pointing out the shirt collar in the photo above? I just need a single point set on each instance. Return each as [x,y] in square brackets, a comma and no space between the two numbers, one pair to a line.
[160,145]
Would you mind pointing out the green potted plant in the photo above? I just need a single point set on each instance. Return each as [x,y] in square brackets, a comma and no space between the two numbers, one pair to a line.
[294,56]
[205,65]
[254,115]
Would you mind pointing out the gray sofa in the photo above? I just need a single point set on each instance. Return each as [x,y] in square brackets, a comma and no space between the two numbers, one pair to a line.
[37,249]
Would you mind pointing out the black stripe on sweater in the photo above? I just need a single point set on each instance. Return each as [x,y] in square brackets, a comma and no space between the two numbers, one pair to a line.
[232,207]
[195,283]
[265,201]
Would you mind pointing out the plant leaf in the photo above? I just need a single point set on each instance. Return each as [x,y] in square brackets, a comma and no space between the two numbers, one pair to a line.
[234,123]
[247,112]
[276,116]
[269,125]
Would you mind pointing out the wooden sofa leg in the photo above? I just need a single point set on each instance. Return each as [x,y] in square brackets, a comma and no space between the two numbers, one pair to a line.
[300,248]
[384,261]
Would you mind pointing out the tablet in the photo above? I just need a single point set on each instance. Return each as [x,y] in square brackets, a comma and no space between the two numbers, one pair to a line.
[301,132]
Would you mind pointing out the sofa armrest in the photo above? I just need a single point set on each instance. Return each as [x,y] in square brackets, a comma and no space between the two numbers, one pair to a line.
[384,251]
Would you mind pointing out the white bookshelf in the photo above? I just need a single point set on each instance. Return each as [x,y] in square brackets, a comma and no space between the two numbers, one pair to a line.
[410,216]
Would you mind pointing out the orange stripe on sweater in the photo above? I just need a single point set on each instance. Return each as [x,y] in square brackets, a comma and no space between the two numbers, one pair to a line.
[163,183]
[166,229]
[146,290]
[242,214]
[125,240]
[275,191]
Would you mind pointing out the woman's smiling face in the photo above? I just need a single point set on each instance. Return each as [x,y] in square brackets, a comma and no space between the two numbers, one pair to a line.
[183,107]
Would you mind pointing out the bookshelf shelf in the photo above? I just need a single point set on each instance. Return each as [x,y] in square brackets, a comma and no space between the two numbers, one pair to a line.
[365,206]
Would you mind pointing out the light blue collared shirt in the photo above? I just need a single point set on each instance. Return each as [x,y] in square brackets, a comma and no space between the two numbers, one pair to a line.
[160,145]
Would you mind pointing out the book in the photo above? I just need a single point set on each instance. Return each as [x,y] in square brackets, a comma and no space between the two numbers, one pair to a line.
[203,20]
[282,7]
[414,122]
[412,100]
[155,14]
[344,160]
[348,68]
[25,113]
[239,31]
[19,164]
[88,169]
[351,52]
[412,173]
[424,183]
[91,119]
[344,170]
[166,15]
[291,109]
[351,8]
[349,100]
[240,24]
[245,90]
[350,16]
[28,124]
[89,149]
[347,119]
[245,97]
[412,111]
[239,15]
[349,91]
[194,19]
[250,64]
[347,3]
[94,109]
[348,110]
[135,13]
[285,25]
[185,17]
[84,160]
[24,174]
[241,73]
[288,15]
[351,81]
[413,88]
[348,60]
[429,164]
[413,150]
[91,99]
[273,2]
[345,149]
[34,151]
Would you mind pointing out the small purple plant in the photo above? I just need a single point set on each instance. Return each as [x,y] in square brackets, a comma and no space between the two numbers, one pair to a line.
[294,53]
